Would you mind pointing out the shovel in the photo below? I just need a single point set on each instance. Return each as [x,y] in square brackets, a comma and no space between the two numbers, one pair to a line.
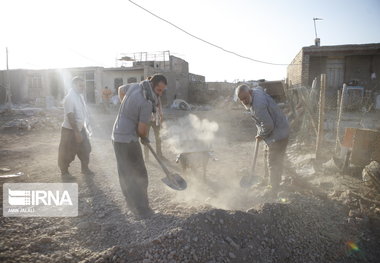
[173,180]
[251,179]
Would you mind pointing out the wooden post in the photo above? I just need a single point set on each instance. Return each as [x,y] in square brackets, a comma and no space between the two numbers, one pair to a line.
[290,97]
[321,119]
[308,111]
[341,106]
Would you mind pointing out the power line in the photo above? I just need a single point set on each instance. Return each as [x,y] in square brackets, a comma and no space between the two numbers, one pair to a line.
[85,57]
[205,41]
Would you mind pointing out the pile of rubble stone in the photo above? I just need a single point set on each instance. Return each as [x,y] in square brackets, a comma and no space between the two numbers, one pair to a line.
[303,230]
[26,119]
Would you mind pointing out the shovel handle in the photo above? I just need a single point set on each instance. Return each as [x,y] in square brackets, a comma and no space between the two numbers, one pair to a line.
[255,155]
[158,160]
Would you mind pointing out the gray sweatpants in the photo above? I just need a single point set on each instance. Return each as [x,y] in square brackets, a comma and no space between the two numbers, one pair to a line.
[133,176]
[275,161]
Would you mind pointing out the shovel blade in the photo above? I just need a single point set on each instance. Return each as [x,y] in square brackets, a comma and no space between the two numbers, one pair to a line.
[247,181]
[175,181]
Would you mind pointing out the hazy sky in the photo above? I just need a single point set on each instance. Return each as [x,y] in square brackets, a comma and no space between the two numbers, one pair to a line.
[76,33]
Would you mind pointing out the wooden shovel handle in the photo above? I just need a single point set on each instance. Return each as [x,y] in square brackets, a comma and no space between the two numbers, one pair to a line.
[255,155]
[158,160]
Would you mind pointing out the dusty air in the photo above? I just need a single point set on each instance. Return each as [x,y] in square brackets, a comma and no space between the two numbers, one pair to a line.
[190,131]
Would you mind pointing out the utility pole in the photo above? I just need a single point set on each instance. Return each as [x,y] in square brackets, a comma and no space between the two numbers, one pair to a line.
[6,50]
[317,40]
[8,100]
[315,26]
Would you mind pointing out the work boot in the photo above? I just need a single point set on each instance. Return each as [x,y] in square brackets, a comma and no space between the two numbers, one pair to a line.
[140,214]
[132,210]
[67,177]
[144,213]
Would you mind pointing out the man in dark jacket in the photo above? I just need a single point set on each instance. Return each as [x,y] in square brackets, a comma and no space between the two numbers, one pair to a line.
[272,127]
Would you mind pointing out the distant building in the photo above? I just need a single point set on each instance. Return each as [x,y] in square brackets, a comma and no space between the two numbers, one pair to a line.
[28,85]
[202,92]
[275,88]
[341,64]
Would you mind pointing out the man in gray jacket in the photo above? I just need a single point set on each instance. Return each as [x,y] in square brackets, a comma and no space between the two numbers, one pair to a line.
[132,123]
[272,127]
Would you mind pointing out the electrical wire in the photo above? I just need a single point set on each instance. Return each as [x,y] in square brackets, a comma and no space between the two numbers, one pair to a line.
[205,41]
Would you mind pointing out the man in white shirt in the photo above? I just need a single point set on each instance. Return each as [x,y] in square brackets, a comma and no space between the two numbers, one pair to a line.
[75,131]
[155,124]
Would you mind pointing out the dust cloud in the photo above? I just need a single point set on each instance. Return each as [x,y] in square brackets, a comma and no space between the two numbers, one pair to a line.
[189,134]
[220,187]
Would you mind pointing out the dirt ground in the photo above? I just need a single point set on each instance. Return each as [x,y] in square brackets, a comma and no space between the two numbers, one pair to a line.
[212,221]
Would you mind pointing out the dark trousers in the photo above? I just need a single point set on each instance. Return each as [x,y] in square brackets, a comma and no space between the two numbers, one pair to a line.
[133,176]
[156,130]
[69,148]
[275,160]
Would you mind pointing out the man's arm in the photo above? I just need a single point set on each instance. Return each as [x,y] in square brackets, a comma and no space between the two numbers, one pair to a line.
[69,111]
[142,130]
[73,124]
[160,110]
[265,121]
[145,114]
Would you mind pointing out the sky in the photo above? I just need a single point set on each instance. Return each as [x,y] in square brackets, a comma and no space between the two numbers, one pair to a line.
[79,33]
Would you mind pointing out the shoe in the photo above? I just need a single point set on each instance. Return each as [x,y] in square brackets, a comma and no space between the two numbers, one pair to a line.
[88,172]
[67,177]
[144,213]
[132,210]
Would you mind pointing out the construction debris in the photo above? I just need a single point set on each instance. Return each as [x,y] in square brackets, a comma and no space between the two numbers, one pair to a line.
[26,119]
[371,174]
[271,233]
[179,104]
[5,176]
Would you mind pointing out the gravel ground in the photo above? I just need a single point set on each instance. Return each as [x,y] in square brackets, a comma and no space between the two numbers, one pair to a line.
[210,222]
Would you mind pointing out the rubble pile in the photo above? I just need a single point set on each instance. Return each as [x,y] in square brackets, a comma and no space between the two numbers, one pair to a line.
[362,197]
[371,175]
[19,124]
[304,230]
[31,118]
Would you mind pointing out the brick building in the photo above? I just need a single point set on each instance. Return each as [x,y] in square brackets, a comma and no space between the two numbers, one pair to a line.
[341,64]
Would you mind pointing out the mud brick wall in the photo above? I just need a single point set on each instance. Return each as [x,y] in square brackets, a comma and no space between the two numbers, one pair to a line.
[294,72]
